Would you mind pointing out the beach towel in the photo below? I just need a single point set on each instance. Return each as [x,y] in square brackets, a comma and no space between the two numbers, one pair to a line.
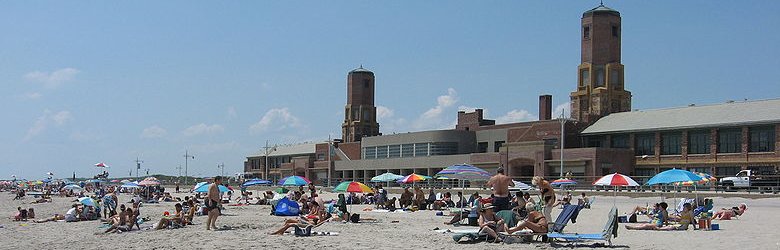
[286,207]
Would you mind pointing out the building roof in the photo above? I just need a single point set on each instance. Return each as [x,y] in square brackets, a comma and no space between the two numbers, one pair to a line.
[360,70]
[707,116]
[298,149]
[601,8]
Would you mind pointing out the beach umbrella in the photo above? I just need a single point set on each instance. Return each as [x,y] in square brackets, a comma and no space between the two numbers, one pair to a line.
[49,173]
[294,181]
[149,181]
[253,182]
[412,178]
[130,185]
[563,181]
[352,187]
[95,181]
[199,184]
[673,175]
[73,187]
[87,201]
[205,189]
[281,190]
[464,172]
[101,165]
[46,180]
[125,181]
[522,186]
[114,180]
[615,180]
[386,177]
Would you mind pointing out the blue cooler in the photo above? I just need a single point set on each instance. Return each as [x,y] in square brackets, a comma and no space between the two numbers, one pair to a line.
[715,226]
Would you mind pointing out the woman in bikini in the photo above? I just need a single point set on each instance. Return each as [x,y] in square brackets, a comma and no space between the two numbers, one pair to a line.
[727,214]
[489,222]
[536,221]
[548,194]
[659,220]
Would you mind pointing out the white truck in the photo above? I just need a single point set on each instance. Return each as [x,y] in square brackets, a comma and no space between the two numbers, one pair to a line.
[748,178]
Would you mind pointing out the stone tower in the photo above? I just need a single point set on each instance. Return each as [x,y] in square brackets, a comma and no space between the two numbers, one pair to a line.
[360,112]
[600,88]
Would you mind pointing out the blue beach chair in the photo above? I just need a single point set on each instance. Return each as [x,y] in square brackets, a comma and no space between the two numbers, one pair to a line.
[610,230]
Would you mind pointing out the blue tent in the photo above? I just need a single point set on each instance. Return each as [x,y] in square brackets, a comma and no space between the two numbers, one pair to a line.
[286,207]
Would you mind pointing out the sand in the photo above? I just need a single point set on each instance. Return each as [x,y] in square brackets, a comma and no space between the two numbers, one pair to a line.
[414,230]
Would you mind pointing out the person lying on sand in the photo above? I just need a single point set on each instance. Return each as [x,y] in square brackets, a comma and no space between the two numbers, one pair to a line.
[313,220]
[727,214]
[659,220]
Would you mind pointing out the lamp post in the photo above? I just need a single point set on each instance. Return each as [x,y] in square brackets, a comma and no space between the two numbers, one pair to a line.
[187,157]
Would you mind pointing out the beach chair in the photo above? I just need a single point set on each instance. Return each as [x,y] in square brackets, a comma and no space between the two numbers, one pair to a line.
[554,227]
[610,230]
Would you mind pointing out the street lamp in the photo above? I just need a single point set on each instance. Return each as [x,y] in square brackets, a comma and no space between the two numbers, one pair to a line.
[562,119]
[187,157]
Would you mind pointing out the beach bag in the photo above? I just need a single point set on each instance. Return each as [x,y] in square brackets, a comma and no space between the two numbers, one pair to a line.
[354,218]
[632,218]
[286,207]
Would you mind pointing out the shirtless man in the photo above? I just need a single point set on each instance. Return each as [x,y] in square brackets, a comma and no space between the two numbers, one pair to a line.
[213,200]
[500,184]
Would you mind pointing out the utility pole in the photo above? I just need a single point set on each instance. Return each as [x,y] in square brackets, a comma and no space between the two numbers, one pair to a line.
[137,166]
[187,157]
[222,167]
[268,151]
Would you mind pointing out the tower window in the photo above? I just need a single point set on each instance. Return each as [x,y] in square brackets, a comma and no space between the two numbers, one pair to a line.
[586,32]
[615,31]
[584,77]
[366,82]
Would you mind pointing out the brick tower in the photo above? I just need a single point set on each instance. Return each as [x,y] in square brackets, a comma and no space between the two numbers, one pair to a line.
[360,112]
[600,89]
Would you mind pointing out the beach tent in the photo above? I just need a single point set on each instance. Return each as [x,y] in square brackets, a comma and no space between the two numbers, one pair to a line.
[286,207]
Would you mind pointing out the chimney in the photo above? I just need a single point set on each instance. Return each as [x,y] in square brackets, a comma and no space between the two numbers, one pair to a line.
[545,107]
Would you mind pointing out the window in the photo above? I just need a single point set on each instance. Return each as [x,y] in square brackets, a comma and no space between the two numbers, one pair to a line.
[762,139]
[420,149]
[727,171]
[615,31]
[730,140]
[482,147]
[586,32]
[394,151]
[599,78]
[620,141]
[595,141]
[497,145]
[699,142]
[614,78]
[584,77]
[670,143]
[444,148]
[645,144]
[705,170]
[762,170]
[366,115]
[407,150]
[366,83]
[381,152]
[320,157]
[369,153]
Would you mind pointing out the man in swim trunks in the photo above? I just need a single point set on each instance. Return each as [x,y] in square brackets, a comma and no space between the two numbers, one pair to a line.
[213,201]
[500,184]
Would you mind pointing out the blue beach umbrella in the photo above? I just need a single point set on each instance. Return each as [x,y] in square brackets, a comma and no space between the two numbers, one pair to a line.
[87,201]
[253,182]
[672,176]
[386,177]
[130,185]
[294,181]
[205,189]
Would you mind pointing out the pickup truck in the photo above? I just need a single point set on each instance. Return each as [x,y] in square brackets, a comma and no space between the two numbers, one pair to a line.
[748,178]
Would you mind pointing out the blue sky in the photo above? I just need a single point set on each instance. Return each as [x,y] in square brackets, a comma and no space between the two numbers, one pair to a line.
[100,81]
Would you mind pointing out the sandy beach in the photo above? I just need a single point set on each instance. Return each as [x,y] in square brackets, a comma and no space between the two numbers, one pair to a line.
[413,230]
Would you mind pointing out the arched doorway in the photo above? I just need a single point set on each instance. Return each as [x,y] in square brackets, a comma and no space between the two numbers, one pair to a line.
[521,168]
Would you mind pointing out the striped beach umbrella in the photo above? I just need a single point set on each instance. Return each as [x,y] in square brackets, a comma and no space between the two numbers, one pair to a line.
[352,187]
[615,179]
[294,181]
[464,172]
[413,178]
[563,181]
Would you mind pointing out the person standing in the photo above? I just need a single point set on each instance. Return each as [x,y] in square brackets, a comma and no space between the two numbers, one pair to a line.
[213,201]
[500,184]
[548,194]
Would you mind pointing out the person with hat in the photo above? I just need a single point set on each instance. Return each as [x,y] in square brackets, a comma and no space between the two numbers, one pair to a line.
[490,223]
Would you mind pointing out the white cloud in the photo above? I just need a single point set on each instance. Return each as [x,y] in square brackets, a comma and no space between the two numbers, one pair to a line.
[202,128]
[231,112]
[432,118]
[61,117]
[564,107]
[383,113]
[43,122]
[52,79]
[276,119]
[154,132]
[515,115]
[32,96]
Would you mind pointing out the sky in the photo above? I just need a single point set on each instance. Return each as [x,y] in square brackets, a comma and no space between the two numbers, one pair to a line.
[84,82]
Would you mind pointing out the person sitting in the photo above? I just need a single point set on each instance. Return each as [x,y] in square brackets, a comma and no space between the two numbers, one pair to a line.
[117,220]
[73,213]
[341,208]
[727,214]
[21,214]
[659,219]
[19,194]
[583,201]
[390,204]
[419,198]
[535,221]
[176,220]
[489,223]
[191,209]
[406,198]
[312,219]
[431,199]
[30,213]
[685,219]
